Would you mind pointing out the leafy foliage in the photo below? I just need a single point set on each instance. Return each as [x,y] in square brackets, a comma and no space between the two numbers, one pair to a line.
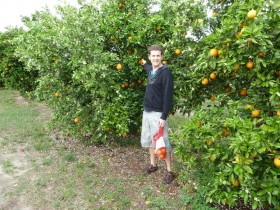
[12,70]
[233,137]
[85,63]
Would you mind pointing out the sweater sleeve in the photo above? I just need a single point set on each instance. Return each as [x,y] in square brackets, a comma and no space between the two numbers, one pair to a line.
[167,93]
[146,67]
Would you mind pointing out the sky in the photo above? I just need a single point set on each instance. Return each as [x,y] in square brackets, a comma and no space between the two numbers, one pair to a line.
[11,11]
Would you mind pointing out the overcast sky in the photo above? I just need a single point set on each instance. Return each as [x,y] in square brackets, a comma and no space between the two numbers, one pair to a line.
[12,10]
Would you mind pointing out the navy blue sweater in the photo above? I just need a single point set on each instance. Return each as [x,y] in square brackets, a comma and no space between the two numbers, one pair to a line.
[159,90]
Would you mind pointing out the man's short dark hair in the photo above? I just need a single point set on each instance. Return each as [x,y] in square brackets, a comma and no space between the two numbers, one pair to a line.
[155,48]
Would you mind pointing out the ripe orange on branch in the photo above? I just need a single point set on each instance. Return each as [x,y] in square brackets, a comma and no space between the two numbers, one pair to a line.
[243,92]
[227,89]
[119,67]
[256,112]
[178,52]
[213,98]
[213,76]
[260,54]
[205,81]
[214,52]
[235,183]
[276,162]
[249,65]
[252,14]
[236,67]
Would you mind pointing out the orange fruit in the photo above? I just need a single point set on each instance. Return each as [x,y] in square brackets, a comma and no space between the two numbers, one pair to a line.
[158,28]
[243,92]
[57,94]
[77,120]
[132,84]
[276,162]
[252,14]
[198,123]
[214,52]
[278,113]
[212,98]
[255,112]
[163,150]
[227,89]
[123,86]
[140,62]
[178,52]
[164,62]
[226,132]
[205,81]
[235,183]
[249,65]
[213,76]
[119,67]
[260,54]
[162,156]
[158,152]
[236,67]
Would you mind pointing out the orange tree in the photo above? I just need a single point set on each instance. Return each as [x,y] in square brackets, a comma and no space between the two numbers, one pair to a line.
[231,142]
[12,71]
[88,60]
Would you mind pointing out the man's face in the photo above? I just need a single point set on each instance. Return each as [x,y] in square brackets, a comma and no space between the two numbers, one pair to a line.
[155,58]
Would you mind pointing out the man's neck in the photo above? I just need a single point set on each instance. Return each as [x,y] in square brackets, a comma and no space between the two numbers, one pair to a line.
[157,67]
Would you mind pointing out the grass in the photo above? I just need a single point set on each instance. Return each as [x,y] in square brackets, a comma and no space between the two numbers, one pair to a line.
[59,175]
[8,166]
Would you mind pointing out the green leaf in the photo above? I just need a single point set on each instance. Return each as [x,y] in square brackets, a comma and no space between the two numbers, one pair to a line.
[255,204]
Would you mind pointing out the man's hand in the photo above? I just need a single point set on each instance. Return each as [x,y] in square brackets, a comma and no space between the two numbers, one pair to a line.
[161,122]
[143,61]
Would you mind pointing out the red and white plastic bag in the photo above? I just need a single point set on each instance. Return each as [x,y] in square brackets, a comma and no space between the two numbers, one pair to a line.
[159,145]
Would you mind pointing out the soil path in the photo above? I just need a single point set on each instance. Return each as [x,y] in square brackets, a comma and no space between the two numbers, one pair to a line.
[17,164]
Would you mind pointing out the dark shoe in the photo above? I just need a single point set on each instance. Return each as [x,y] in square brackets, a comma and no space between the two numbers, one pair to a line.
[169,177]
[151,169]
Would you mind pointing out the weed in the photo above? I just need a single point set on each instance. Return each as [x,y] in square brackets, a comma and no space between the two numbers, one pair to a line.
[8,166]
[68,156]
[41,144]
[47,161]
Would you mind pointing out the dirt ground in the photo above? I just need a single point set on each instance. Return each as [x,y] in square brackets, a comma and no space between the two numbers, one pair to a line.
[123,161]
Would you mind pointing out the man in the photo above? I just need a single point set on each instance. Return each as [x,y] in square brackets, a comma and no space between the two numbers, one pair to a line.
[157,104]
